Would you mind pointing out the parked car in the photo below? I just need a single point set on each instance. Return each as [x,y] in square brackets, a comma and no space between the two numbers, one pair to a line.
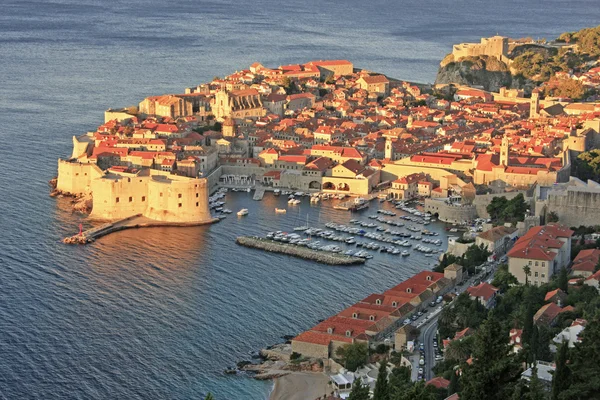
[420,371]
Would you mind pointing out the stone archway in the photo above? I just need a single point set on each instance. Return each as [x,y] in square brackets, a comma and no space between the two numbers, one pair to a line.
[328,186]
[343,187]
[314,185]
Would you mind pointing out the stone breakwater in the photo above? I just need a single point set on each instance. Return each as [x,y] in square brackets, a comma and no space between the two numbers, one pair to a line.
[297,251]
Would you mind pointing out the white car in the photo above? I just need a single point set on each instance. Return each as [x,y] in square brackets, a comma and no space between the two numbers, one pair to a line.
[421,371]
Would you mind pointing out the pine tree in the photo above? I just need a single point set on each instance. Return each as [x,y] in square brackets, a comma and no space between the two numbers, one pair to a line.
[359,391]
[494,372]
[561,377]
[381,391]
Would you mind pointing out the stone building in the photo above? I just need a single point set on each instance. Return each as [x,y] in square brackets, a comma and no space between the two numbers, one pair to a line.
[238,104]
[495,46]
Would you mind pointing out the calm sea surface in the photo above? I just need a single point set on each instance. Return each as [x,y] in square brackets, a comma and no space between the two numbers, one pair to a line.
[159,313]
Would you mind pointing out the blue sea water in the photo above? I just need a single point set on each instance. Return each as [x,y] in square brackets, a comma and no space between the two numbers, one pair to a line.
[159,313]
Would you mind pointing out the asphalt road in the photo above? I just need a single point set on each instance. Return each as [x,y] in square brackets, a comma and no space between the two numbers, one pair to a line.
[428,326]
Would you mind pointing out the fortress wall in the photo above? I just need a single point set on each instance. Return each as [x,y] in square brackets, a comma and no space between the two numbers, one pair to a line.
[82,145]
[482,200]
[178,200]
[575,208]
[451,213]
[119,198]
[76,177]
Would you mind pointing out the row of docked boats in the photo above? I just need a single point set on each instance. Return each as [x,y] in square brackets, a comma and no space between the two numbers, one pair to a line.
[297,240]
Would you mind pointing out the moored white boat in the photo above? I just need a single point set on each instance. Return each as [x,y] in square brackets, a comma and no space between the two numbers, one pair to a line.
[242,212]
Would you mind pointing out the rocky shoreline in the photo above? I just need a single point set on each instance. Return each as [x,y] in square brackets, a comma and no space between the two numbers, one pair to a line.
[275,361]
[80,202]
[297,251]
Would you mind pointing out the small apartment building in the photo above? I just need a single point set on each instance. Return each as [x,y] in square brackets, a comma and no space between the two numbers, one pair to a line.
[544,249]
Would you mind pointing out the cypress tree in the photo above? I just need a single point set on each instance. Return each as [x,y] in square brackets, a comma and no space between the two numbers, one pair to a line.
[381,391]
[561,377]
[453,387]
[534,345]
[563,280]
[359,391]
[536,390]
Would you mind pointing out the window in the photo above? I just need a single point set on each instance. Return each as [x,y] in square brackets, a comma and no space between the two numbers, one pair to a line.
[536,274]
[196,194]
[348,333]
[378,301]
[179,205]
[543,275]
[530,263]
[330,330]
[179,195]
[160,194]
[197,204]
[143,198]
[117,200]
[543,264]
[394,304]
[130,199]
[354,315]
[372,317]
[536,263]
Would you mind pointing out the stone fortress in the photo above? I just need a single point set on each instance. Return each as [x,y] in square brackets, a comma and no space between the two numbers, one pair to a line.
[495,46]
[121,192]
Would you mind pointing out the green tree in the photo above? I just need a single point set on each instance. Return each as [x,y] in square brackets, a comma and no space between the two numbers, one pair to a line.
[454,385]
[494,371]
[504,279]
[209,396]
[536,389]
[381,391]
[459,350]
[585,365]
[398,380]
[353,355]
[528,324]
[563,280]
[534,344]
[359,391]
[543,348]
[418,391]
[562,374]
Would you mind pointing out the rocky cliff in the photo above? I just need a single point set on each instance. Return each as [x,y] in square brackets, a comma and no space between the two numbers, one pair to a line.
[487,72]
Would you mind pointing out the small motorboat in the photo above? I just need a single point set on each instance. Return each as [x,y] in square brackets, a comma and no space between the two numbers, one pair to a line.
[280,211]
[242,212]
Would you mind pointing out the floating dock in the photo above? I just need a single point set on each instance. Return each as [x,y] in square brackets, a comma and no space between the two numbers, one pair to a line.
[298,251]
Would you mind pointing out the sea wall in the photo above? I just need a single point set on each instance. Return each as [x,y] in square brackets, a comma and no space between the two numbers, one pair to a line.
[161,197]
[75,177]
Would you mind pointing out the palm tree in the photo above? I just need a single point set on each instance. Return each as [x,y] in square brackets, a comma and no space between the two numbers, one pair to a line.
[527,270]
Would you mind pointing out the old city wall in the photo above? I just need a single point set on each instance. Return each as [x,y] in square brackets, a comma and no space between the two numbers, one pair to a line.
[76,177]
[575,208]
[116,198]
[451,213]
[182,200]
[482,200]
